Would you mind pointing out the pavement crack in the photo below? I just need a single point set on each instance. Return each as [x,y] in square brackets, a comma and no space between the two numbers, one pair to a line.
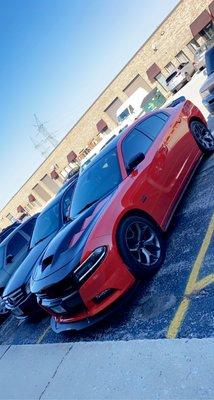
[5,351]
[55,372]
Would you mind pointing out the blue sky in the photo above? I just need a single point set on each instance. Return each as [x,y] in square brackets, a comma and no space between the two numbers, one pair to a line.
[56,57]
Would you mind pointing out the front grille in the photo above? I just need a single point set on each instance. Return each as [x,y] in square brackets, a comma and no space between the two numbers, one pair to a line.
[60,289]
[15,298]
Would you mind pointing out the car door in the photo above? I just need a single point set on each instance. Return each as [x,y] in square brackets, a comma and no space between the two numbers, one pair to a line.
[166,166]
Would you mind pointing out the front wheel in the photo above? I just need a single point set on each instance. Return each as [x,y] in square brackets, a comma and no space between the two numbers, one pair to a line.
[141,245]
[203,136]
[188,77]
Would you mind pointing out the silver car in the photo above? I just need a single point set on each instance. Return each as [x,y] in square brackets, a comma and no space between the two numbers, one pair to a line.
[180,76]
[199,59]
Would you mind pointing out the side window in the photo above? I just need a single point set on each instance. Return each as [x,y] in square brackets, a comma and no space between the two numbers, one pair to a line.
[163,116]
[134,144]
[131,109]
[29,227]
[66,202]
[16,244]
[153,125]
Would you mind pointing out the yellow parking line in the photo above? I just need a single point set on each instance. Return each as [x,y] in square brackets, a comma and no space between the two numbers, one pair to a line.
[178,318]
[192,284]
[43,335]
[200,257]
[204,282]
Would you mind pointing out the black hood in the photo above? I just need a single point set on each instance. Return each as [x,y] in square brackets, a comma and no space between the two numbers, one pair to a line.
[22,275]
[59,259]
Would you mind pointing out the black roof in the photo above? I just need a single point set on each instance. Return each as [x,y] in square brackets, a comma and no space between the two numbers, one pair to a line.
[19,226]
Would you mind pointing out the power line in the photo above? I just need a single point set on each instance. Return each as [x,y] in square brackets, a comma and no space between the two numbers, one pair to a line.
[43,138]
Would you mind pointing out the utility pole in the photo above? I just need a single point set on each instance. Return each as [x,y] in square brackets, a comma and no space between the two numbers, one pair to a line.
[43,138]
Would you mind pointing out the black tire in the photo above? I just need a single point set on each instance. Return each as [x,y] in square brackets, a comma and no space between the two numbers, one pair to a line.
[151,250]
[202,136]
[188,77]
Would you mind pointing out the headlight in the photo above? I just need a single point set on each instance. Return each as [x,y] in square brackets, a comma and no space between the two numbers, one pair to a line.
[27,287]
[85,269]
[205,94]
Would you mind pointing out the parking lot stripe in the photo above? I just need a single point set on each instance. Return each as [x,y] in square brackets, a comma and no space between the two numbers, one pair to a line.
[204,282]
[196,268]
[192,285]
[41,337]
[178,318]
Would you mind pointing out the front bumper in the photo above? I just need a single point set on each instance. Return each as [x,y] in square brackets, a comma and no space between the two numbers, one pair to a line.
[85,323]
[89,303]
[208,102]
[26,308]
[177,85]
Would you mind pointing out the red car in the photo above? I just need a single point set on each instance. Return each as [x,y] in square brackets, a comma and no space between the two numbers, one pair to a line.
[123,203]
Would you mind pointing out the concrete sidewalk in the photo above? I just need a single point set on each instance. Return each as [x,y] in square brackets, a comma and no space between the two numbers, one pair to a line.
[139,369]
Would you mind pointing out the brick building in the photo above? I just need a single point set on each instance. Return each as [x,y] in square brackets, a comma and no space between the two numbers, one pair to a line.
[189,25]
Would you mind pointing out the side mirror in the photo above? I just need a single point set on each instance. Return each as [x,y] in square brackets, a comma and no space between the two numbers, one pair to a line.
[9,259]
[135,161]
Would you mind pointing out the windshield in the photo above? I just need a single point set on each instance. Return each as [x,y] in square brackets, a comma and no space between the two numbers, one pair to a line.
[170,77]
[47,223]
[87,162]
[123,115]
[99,179]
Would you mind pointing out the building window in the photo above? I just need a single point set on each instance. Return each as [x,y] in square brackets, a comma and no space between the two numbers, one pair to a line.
[29,206]
[181,57]
[161,80]
[208,32]
[193,45]
[170,68]
[10,217]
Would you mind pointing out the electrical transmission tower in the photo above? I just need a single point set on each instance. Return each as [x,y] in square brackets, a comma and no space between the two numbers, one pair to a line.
[43,139]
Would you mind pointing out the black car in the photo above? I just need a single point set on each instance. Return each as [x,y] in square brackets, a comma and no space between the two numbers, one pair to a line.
[13,250]
[8,230]
[17,295]
[207,89]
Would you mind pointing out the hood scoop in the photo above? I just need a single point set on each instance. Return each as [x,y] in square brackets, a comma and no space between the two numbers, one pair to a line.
[47,261]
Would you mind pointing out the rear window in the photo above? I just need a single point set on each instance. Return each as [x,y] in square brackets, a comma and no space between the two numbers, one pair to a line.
[153,125]
[170,77]
[29,227]
[16,244]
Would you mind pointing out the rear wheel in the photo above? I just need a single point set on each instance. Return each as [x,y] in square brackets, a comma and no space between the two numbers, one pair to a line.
[188,77]
[141,245]
[203,136]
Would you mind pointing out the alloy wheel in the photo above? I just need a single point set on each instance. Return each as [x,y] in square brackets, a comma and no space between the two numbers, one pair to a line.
[143,243]
[203,135]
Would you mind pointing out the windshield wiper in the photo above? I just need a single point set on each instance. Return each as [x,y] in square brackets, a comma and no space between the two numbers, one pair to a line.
[41,240]
[88,205]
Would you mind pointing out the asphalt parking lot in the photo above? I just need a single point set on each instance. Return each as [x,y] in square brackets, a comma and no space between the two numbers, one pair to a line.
[178,301]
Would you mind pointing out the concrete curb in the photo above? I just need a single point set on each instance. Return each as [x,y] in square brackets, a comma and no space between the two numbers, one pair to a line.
[139,369]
